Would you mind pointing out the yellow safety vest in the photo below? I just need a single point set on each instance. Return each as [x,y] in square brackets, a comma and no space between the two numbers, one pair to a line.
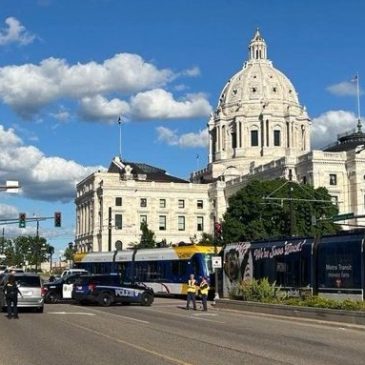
[204,288]
[191,286]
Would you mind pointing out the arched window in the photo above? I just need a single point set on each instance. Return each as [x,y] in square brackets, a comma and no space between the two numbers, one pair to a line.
[277,137]
[254,138]
[223,138]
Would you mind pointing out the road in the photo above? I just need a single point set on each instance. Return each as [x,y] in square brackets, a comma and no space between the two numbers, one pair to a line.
[165,333]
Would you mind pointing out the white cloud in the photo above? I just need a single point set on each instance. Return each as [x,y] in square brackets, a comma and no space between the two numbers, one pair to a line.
[327,126]
[62,115]
[15,32]
[29,87]
[344,88]
[187,140]
[160,104]
[192,72]
[98,108]
[41,177]
[8,211]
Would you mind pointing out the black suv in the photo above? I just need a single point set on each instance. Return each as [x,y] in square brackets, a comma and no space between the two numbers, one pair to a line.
[60,289]
[108,289]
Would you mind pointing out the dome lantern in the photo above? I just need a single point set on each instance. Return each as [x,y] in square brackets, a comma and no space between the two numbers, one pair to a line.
[257,47]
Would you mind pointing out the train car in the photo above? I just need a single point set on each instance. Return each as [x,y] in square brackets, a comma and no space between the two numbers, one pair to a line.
[285,262]
[165,270]
[331,266]
[340,266]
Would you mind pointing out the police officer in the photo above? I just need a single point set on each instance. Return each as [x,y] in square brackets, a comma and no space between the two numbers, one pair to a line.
[191,292]
[11,291]
[204,289]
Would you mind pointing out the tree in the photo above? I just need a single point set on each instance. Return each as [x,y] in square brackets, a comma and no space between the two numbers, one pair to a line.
[147,237]
[34,250]
[250,216]
[209,240]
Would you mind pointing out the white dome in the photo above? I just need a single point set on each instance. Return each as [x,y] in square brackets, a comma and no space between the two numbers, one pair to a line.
[257,83]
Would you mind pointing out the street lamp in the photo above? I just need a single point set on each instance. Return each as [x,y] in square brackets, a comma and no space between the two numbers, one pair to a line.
[11,186]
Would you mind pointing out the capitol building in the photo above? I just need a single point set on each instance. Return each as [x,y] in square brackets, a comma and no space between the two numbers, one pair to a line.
[258,130]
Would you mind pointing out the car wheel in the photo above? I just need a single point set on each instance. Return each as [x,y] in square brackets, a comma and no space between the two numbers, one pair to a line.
[52,298]
[146,299]
[40,309]
[106,299]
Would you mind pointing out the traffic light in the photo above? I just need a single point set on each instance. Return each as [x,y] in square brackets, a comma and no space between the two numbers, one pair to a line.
[308,219]
[57,219]
[22,220]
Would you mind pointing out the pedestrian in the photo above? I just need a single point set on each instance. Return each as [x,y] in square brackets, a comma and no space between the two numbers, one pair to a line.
[11,292]
[204,289]
[191,292]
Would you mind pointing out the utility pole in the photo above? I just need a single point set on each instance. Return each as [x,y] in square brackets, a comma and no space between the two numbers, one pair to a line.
[291,210]
[3,241]
[110,229]
[37,247]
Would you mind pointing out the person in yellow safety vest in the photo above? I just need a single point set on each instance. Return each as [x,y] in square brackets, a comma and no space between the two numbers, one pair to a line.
[204,289]
[192,284]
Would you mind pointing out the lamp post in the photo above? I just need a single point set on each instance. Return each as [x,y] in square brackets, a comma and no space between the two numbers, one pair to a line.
[12,186]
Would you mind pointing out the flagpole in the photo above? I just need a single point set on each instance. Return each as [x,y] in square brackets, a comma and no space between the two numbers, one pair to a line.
[358,96]
[120,137]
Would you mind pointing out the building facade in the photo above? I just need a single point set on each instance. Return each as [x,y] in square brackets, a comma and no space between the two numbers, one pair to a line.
[258,130]
[111,205]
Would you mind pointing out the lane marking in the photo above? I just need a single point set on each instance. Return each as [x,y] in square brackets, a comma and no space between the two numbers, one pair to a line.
[137,347]
[98,311]
[73,313]
[188,317]
[300,321]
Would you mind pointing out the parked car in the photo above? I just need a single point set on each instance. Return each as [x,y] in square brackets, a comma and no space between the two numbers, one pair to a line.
[107,289]
[13,270]
[73,271]
[61,289]
[30,285]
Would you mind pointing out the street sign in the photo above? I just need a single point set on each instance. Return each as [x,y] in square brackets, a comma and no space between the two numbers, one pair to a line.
[342,217]
[216,262]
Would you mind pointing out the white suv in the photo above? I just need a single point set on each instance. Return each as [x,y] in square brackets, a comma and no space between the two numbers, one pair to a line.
[74,271]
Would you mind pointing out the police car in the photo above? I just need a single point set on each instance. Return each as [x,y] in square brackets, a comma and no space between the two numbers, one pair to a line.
[61,289]
[106,290]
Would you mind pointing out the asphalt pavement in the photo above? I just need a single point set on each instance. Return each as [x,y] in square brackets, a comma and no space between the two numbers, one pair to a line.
[166,333]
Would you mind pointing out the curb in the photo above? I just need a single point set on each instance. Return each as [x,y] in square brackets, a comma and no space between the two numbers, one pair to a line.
[320,314]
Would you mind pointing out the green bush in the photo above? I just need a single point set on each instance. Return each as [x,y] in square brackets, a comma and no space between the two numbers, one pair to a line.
[264,292]
[256,291]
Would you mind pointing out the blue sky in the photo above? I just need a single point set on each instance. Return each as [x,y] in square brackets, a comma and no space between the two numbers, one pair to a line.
[69,68]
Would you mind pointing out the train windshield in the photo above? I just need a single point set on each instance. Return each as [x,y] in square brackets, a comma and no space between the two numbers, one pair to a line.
[208,263]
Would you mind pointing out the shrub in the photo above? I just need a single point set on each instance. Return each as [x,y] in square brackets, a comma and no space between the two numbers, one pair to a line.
[264,292]
[256,291]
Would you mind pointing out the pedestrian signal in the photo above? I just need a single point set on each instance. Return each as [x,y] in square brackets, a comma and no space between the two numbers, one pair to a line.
[22,220]
[57,219]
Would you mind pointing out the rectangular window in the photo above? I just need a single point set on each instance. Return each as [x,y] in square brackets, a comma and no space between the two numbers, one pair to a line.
[142,219]
[333,179]
[199,204]
[200,224]
[334,199]
[181,223]
[162,203]
[181,203]
[254,138]
[118,221]
[143,203]
[162,223]
[277,138]
[118,201]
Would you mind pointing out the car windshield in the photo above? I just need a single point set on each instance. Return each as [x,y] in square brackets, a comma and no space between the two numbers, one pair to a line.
[28,281]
